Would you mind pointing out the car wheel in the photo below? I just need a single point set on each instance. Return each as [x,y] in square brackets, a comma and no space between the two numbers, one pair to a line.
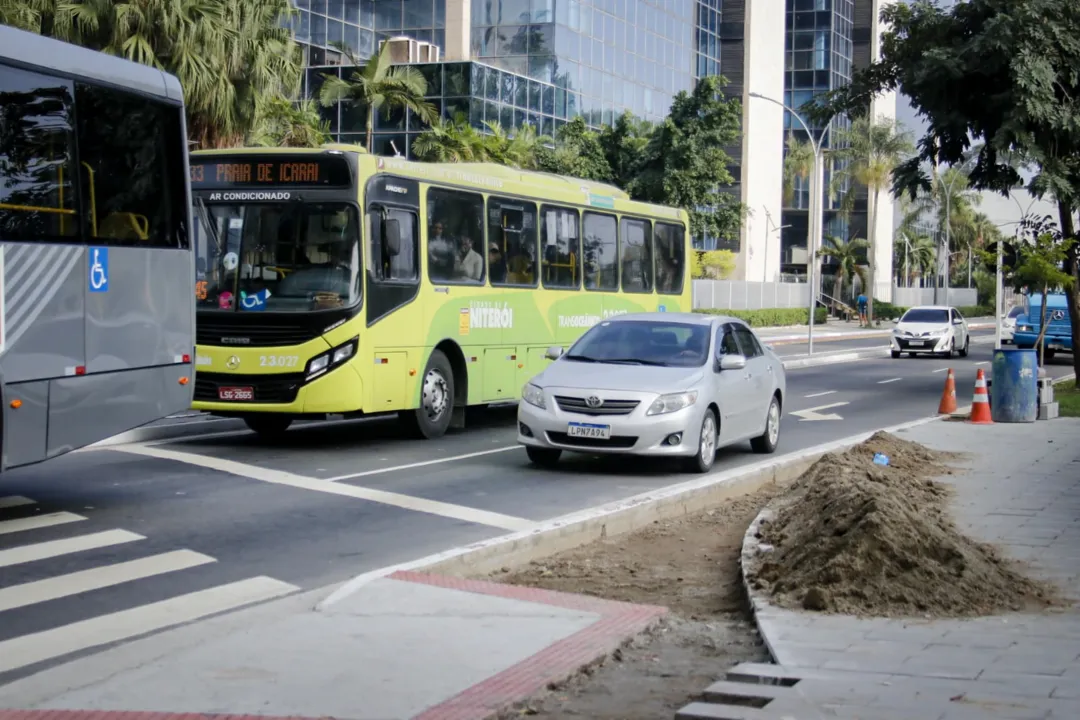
[967,345]
[895,354]
[543,457]
[952,349]
[268,426]
[432,418]
[766,442]
[705,456]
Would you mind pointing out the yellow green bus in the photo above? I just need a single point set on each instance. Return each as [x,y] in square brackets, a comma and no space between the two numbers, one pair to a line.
[335,283]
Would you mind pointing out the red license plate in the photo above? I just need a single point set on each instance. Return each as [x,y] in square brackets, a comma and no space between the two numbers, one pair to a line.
[236,393]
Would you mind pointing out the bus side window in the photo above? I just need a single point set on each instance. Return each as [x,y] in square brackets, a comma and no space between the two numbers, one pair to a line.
[511,242]
[601,252]
[561,248]
[637,276]
[670,253]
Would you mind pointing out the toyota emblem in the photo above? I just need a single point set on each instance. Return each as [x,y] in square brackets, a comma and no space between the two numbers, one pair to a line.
[593,401]
[232,363]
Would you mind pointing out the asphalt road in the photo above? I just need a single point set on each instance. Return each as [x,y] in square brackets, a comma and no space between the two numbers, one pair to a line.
[236,519]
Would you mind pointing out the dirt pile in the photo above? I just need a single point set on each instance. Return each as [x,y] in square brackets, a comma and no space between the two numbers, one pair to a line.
[857,538]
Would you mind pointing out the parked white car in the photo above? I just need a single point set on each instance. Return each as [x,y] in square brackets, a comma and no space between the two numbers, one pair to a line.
[933,329]
[677,385]
[1008,324]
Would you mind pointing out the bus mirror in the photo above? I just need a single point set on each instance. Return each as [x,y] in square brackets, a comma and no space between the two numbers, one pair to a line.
[392,236]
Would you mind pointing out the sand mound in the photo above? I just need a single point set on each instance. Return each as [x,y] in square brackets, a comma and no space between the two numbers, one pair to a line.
[863,539]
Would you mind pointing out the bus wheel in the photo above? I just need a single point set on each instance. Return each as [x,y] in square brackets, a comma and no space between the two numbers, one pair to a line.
[432,418]
[268,425]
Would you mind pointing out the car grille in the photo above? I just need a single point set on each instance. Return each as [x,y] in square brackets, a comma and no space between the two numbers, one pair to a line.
[925,343]
[267,388]
[226,332]
[616,441]
[609,407]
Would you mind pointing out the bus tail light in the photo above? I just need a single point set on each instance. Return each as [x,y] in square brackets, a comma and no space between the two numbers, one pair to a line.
[327,361]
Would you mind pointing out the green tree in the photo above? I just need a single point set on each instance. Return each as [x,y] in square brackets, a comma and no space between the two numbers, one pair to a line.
[867,153]
[450,141]
[624,145]
[1002,73]
[685,164]
[377,86]
[518,149]
[847,256]
[711,264]
[915,253]
[798,164]
[577,153]
[280,122]
[226,53]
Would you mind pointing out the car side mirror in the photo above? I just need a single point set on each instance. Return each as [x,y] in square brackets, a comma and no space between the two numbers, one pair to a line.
[392,236]
[896,321]
[732,362]
[554,352]
[958,321]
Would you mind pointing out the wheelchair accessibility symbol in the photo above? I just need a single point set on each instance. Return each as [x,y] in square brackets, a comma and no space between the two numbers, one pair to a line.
[98,259]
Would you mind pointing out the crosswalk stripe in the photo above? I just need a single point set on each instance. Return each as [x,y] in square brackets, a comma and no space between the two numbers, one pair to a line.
[56,548]
[12,501]
[38,521]
[96,578]
[27,650]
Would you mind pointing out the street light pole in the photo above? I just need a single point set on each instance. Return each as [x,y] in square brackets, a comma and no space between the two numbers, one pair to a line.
[816,213]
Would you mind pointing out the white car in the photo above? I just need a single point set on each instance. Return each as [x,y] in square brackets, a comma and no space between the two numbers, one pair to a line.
[1008,324]
[933,329]
[675,385]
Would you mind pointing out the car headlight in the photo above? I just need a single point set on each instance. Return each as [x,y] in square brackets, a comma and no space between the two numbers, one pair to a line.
[327,361]
[533,395]
[672,402]
[1023,328]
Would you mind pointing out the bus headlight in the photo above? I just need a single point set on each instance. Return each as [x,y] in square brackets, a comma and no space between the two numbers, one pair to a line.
[327,361]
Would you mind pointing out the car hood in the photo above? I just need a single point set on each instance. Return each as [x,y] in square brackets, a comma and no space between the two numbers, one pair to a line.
[920,328]
[604,376]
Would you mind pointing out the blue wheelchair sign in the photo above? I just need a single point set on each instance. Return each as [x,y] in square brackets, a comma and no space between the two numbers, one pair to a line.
[98,261]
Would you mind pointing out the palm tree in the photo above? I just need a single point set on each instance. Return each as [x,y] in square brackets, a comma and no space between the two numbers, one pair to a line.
[514,150]
[798,164]
[847,257]
[915,254]
[226,54]
[377,85]
[951,193]
[281,123]
[867,153]
[450,141]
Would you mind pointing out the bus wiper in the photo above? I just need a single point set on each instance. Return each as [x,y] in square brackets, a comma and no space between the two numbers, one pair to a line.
[581,358]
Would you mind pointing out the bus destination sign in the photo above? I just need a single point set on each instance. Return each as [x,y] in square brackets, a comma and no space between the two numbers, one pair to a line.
[243,172]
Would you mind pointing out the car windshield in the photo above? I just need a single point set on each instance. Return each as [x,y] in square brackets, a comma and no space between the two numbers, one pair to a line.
[643,342]
[279,257]
[926,315]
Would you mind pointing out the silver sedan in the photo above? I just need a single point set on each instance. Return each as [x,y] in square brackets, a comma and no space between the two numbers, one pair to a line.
[679,385]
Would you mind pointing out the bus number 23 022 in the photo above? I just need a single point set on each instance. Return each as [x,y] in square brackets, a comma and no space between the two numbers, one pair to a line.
[279,361]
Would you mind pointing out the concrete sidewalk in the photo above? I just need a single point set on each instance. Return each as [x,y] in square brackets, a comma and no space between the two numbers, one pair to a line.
[1022,493]
[407,646]
[839,330]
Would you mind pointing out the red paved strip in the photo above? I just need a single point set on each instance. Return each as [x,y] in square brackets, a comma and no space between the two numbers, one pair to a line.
[618,621]
[131,715]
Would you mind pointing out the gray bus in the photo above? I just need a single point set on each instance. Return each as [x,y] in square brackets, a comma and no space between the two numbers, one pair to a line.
[97,311]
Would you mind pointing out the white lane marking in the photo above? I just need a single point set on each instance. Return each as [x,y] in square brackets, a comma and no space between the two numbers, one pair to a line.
[27,650]
[96,578]
[12,501]
[425,463]
[944,369]
[56,548]
[984,362]
[37,522]
[811,414]
[278,477]
[890,380]
[820,394]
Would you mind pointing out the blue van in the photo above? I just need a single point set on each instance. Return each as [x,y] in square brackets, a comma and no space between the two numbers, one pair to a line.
[1058,328]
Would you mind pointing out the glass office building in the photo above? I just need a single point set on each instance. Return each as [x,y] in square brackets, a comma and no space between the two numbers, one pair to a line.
[817,58]
[528,61]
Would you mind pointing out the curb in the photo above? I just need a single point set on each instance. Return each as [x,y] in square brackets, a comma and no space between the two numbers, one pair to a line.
[760,608]
[622,516]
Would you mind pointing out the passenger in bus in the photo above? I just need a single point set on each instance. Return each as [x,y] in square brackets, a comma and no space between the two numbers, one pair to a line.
[496,264]
[440,253]
[518,270]
[469,265]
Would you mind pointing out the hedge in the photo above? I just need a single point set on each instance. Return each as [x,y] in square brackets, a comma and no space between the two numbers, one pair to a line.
[888,311]
[775,317]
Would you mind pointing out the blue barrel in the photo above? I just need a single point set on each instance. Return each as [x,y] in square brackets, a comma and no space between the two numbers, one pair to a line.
[1015,384]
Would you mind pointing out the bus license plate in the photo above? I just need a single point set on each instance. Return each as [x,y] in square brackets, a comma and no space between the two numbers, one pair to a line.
[1055,346]
[588,430]
[236,393]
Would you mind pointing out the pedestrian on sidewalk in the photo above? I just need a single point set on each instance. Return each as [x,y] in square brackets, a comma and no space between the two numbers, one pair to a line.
[861,302]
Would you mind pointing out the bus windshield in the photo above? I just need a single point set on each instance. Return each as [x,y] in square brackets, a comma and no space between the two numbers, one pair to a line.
[280,257]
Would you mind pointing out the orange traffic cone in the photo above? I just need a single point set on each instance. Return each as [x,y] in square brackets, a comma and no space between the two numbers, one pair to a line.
[980,404]
[948,396]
